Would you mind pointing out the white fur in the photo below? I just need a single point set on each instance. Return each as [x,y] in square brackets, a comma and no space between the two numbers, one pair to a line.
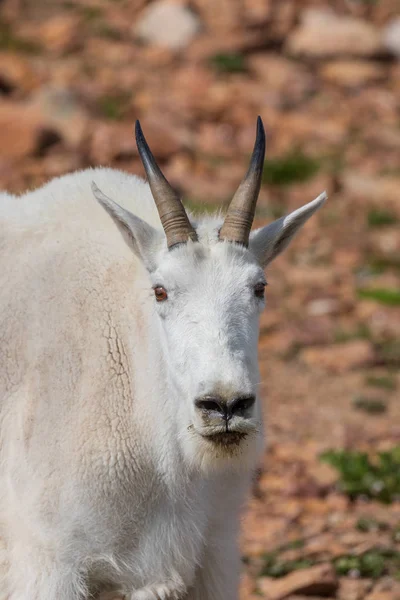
[105,481]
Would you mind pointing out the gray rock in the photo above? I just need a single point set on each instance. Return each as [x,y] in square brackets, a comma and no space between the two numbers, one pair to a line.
[391,36]
[167,23]
[324,34]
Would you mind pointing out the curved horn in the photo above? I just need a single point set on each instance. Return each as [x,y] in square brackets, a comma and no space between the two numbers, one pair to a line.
[174,219]
[240,215]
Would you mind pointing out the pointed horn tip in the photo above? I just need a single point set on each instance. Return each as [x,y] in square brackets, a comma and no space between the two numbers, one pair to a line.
[322,198]
[260,125]
[138,130]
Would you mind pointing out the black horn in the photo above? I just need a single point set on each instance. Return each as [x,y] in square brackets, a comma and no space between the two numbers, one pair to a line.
[174,219]
[240,215]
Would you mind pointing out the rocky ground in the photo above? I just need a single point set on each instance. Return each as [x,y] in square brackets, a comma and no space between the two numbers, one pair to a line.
[325,76]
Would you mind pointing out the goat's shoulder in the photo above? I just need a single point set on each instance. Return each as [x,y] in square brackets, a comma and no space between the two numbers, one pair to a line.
[69,199]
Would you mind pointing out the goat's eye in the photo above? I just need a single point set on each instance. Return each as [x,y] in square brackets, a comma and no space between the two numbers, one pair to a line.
[259,289]
[160,293]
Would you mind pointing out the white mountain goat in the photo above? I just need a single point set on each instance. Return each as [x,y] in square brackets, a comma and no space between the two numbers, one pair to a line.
[130,422]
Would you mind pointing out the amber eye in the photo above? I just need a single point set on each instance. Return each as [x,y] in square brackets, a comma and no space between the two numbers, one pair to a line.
[160,293]
[259,289]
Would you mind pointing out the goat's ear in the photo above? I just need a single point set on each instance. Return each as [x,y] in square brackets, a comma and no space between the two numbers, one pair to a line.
[145,240]
[266,243]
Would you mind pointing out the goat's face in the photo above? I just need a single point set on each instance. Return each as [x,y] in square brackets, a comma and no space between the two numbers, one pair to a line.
[208,284]
[208,299]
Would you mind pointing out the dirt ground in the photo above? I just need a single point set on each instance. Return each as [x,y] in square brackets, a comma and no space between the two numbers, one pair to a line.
[325,77]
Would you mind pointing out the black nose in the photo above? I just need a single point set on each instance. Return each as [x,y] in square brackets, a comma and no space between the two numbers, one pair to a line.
[226,409]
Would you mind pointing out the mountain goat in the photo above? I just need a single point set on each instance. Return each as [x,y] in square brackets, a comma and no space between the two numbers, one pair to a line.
[130,422]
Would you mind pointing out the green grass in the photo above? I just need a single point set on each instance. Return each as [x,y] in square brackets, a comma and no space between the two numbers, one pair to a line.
[293,167]
[368,524]
[113,107]
[228,62]
[385,382]
[387,296]
[380,218]
[373,563]
[273,566]
[359,476]
[372,406]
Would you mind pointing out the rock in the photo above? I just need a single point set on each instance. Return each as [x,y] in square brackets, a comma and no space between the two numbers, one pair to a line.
[257,11]
[381,596]
[391,36]
[284,15]
[385,244]
[339,358]
[323,306]
[59,110]
[110,141]
[376,190]
[164,138]
[220,17]
[209,44]
[112,52]
[353,589]
[59,34]
[322,34]
[216,140]
[352,73]
[286,82]
[324,476]
[167,23]
[21,128]
[317,580]
[16,72]
[385,589]
[384,322]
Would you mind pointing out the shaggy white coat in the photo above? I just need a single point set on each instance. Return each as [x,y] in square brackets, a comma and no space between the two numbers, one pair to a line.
[106,481]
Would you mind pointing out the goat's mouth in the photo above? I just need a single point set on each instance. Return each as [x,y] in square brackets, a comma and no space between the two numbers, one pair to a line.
[226,435]
[225,438]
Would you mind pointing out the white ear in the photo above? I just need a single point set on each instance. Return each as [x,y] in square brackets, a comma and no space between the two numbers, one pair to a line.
[144,239]
[266,243]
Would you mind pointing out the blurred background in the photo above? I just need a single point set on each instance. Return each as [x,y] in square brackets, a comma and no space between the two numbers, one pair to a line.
[324,518]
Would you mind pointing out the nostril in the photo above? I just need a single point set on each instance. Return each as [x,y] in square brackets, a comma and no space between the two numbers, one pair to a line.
[210,404]
[239,405]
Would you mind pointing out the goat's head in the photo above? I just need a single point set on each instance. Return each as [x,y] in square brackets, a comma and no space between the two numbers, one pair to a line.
[208,292]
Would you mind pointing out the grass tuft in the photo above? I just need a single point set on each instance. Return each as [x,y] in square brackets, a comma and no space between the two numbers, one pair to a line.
[380,218]
[295,166]
[382,295]
[385,382]
[372,406]
[359,476]
[228,62]
[368,524]
[373,564]
[113,107]
[275,567]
